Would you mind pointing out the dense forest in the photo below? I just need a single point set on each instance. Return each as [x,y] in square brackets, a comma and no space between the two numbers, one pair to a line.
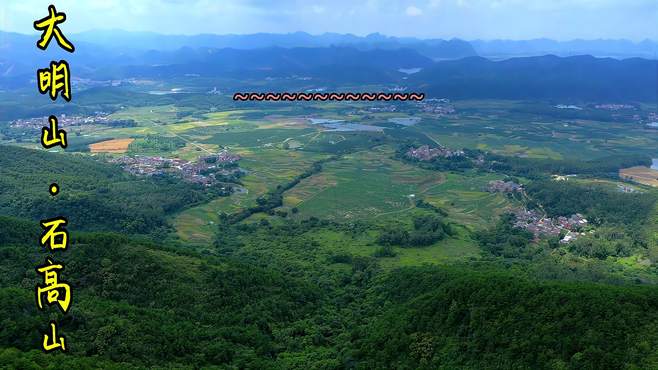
[268,295]
[531,168]
[602,205]
[141,304]
[97,196]
[472,216]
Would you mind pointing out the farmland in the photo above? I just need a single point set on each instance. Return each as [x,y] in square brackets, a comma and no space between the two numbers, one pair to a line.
[111,146]
[366,182]
[326,196]
[308,199]
[642,175]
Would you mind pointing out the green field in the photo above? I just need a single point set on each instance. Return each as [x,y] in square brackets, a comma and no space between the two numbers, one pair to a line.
[336,249]
[277,143]
[266,168]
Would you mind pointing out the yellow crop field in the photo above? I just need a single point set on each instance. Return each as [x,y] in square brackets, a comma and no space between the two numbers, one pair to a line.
[111,146]
[642,175]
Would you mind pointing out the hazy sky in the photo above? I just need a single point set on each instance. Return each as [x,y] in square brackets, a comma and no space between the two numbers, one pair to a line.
[467,19]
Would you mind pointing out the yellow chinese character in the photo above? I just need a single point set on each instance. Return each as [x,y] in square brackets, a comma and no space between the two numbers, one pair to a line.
[55,341]
[52,136]
[54,235]
[55,79]
[49,28]
[52,287]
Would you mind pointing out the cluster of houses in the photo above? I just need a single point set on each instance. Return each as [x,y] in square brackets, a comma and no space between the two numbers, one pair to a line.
[203,171]
[425,153]
[386,108]
[650,120]
[500,186]
[63,120]
[440,107]
[614,107]
[397,88]
[627,189]
[568,106]
[539,225]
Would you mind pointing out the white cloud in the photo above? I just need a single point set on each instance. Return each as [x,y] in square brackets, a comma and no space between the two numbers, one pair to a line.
[413,11]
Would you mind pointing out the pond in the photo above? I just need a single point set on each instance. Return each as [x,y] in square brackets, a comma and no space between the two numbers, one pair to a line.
[405,121]
[322,121]
[351,127]
[341,125]
[409,71]
[176,90]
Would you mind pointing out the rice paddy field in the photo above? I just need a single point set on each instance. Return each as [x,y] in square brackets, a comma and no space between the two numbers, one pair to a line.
[364,182]
[265,168]
[370,185]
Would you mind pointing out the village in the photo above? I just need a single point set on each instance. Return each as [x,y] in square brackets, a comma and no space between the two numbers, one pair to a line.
[500,186]
[439,107]
[66,121]
[533,221]
[614,107]
[425,153]
[206,170]
[569,227]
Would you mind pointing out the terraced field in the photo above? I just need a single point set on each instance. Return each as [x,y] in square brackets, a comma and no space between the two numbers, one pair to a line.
[371,185]
[468,202]
[149,115]
[366,185]
[266,168]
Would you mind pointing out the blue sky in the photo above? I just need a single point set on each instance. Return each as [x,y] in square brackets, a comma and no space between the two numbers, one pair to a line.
[466,19]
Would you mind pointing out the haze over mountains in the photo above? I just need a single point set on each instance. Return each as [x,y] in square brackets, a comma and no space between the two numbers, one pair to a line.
[611,69]
[432,48]
[599,48]
[578,78]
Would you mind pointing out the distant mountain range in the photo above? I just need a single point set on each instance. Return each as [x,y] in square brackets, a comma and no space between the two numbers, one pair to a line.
[436,49]
[502,49]
[336,65]
[582,78]
[432,48]
[115,49]
[447,68]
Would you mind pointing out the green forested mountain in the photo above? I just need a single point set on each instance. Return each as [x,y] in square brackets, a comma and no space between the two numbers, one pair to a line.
[139,304]
[578,78]
[280,291]
[95,195]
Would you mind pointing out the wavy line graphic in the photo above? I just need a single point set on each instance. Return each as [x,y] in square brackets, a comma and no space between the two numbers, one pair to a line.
[270,96]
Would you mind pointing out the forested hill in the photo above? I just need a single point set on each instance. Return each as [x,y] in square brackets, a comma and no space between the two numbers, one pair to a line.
[600,48]
[96,195]
[571,79]
[579,78]
[373,60]
[143,305]
[338,64]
